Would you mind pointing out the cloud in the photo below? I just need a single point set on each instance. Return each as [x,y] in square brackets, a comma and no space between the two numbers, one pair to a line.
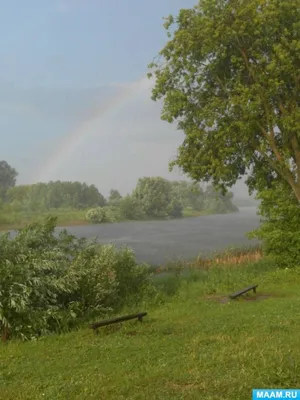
[120,131]
[109,135]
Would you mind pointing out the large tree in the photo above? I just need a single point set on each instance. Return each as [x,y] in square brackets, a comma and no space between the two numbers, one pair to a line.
[230,77]
[8,177]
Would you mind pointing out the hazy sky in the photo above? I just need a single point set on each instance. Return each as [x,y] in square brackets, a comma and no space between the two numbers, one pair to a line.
[74,100]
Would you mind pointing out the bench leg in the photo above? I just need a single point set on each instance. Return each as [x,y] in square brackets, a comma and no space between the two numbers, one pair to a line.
[254,290]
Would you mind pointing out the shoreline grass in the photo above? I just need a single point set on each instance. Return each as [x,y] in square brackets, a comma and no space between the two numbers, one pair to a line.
[69,218]
[231,256]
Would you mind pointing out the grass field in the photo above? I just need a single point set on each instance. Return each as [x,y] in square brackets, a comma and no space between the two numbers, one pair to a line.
[193,345]
[65,217]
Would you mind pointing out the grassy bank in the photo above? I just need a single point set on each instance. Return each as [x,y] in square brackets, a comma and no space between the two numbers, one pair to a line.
[189,212]
[65,217]
[193,344]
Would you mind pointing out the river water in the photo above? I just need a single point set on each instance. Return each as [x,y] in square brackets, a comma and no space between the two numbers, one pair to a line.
[157,242]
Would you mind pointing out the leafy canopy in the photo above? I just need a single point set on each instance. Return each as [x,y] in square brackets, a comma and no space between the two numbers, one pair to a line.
[52,282]
[8,177]
[280,228]
[229,76]
[153,195]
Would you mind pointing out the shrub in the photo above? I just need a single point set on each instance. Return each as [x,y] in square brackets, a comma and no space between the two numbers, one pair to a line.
[175,209]
[49,282]
[130,209]
[280,227]
[112,214]
[96,215]
[103,214]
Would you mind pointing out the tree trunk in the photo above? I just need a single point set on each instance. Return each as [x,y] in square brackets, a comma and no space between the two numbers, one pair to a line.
[5,333]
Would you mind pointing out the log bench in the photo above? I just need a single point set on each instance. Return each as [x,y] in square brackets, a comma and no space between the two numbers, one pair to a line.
[247,289]
[139,316]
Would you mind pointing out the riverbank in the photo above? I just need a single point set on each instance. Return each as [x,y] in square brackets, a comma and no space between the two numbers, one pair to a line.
[194,343]
[72,218]
[161,242]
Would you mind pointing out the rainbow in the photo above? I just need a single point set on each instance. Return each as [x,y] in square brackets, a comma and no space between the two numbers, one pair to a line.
[71,141]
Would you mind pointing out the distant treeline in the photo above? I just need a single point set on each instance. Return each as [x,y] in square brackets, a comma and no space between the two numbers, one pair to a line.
[46,196]
[153,197]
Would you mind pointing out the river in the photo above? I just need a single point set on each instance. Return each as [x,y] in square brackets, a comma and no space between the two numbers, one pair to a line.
[157,242]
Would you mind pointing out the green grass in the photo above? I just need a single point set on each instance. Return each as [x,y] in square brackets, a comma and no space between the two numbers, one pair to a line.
[66,217]
[189,212]
[194,345]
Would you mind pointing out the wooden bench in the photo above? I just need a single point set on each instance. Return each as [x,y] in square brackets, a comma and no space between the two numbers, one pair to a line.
[237,294]
[139,316]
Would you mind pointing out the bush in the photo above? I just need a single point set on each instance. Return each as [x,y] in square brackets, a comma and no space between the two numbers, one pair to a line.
[130,209]
[112,214]
[95,215]
[49,283]
[175,209]
[103,214]
[280,227]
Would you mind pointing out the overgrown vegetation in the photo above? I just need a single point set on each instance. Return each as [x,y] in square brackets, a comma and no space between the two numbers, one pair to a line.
[51,283]
[280,224]
[231,82]
[159,198]
[79,203]
[195,344]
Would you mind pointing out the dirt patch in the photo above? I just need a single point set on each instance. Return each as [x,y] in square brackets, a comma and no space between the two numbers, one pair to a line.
[227,299]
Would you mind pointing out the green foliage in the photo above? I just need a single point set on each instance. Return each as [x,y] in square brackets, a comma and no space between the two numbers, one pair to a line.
[8,177]
[112,214]
[195,345]
[96,215]
[17,193]
[280,227]
[104,214]
[76,203]
[229,78]
[52,282]
[175,208]
[153,195]
[159,198]
[54,195]
[217,203]
[130,209]
[114,195]
[14,216]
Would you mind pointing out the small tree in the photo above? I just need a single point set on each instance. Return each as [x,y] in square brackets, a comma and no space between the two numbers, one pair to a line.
[8,177]
[114,195]
[130,209]
[96,215]
[280,224]
[153,195]
[175,208]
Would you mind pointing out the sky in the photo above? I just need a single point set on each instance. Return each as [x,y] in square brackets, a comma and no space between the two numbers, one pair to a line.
[74,97]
